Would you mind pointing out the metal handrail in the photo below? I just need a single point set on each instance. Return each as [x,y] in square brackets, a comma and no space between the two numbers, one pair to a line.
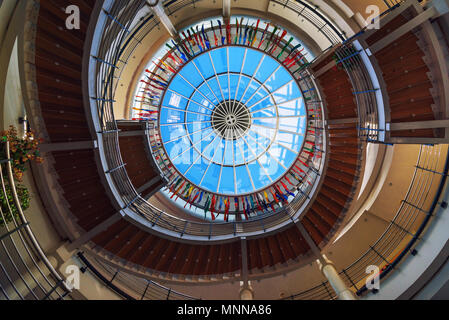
[107,65]
[400,228]
[142,289]
[348,57]
[19,264]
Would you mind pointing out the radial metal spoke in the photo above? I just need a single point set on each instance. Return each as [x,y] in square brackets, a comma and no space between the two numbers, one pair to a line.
[257,159]
[252,78]
[270,95]
[187,135]
[277,117]
[245,161]
[216,76]
[184,123]
[268,151]
[195,89]
[205,81]
[263,126]
[288,148]
[190,100]
[276,105]
[192,146]
[240,77]
[185,110]
[229,75]
[264,83]
[292,132]
[210,162]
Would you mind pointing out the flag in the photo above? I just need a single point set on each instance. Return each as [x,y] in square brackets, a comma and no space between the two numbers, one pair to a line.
[262,38]
[285,47]
[221,33]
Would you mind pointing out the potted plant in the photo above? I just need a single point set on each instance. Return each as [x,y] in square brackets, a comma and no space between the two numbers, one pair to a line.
[22,150]
[8,207]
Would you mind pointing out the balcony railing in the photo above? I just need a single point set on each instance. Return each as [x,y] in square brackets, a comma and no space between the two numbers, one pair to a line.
[126,285]
[108,60]
[403,232]
[25,271]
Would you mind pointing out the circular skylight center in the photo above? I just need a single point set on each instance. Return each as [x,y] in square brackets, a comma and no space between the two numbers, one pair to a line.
[232,120]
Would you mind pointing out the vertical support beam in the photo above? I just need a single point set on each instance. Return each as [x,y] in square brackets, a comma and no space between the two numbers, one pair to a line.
[327,268]
[93,232]
[68,146]
[316,251]
[226,11]
[246,292]
[336,282]
[399,32]
[164,19]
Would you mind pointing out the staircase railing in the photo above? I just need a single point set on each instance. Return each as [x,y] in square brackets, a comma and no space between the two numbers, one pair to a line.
[137,288]
[109,63]
[25,271]
[399,238]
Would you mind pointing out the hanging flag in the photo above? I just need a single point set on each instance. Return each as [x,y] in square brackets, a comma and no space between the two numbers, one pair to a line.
[160,67]
[221,33]
[274,196]
[200,38]
[227,205]
[228,32]
[262,38]
[197,41]
[186,39]
[161,83]
[256,29]
[215,36]
[207,204]
[246,34]
[285,47]
[167,66]
[240,30]
[278,41]
[212,207]
[206,39]
[287,190]
[177,190]
[183,56]
[236,204]
[271,37]
[244,209]
[156,75]
[195,197]
[236,30]
[152,85]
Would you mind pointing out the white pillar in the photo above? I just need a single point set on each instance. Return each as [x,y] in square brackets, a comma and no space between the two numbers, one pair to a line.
[246,291]
[331,274]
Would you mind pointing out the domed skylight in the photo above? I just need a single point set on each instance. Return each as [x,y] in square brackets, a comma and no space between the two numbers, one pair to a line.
[232,120]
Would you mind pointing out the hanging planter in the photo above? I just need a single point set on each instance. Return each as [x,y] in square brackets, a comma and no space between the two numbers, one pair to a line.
[8,207]
[22,150]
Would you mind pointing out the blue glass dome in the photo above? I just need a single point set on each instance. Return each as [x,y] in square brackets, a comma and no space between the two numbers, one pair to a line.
[233,120]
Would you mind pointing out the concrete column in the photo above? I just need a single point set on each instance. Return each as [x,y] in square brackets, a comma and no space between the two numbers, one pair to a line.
[246,291]
[226,11]
[331,274]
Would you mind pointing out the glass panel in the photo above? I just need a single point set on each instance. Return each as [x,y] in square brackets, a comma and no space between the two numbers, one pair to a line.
[227,181]
[263,144]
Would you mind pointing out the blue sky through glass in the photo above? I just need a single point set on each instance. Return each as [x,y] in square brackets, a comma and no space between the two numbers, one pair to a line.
[233,120]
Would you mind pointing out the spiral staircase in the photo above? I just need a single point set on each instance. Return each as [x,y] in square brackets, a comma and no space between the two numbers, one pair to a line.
[101,180]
